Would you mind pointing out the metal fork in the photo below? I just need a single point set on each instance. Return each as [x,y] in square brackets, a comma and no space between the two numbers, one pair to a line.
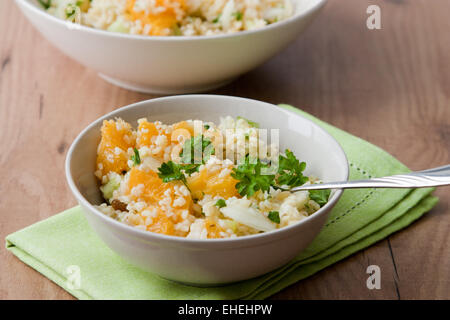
[420,179]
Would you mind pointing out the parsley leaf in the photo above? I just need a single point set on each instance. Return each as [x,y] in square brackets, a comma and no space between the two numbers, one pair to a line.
[290,171]
[45,4]
[251,123]
[135,157]
[217,18]
[238,15]
[199,145]
[250,177]
[70,10]
[190,168]
[176,30]
[221,203]
[170,171]
[320,196]
[274,216]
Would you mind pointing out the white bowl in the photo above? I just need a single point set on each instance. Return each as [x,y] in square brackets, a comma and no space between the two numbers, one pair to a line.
[211,261]
[168,65]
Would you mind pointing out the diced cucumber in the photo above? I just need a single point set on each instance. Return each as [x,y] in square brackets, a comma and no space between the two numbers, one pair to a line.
[118,26]
[112,185]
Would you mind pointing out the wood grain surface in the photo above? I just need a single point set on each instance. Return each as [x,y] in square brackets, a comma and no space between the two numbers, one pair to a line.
[389,86]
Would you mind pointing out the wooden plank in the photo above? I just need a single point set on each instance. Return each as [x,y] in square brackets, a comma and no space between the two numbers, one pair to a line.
[390,87]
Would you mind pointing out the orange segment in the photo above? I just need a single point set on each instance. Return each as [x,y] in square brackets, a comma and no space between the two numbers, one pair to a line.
[153,185]
[146,130]
[160,21]
[210,183]
[152,191]
[184,125]
[213,228]
[162,224]
[117,137]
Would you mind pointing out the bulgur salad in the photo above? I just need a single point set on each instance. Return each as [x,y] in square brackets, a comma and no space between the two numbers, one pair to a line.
[200,180]
[171,17]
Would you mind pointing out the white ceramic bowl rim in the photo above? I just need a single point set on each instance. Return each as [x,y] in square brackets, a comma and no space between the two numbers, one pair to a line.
[153,235]
[84,28]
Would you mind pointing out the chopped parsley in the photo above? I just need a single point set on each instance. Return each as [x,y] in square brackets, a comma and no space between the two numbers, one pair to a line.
[250,122]
[70,10]
[221,203]
[176,30]
[135,157]
[194,147]
[320,196]
[274,216]
[250,177]
[190,168]
[206,126]
[290,171]
[217,18]
[238,15]
[170,171]
[45,4]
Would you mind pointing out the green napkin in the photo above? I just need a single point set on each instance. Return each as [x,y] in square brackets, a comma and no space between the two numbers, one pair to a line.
[361,218]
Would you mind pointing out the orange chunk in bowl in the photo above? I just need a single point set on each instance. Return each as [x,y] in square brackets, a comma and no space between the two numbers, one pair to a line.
[116,138]
[146,130]
[160,21]
[212,183]
[162,197]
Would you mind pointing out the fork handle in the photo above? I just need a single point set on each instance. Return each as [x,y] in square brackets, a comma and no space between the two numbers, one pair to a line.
[421,179]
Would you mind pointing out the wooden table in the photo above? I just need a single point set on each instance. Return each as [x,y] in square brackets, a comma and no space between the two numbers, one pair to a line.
[389,86]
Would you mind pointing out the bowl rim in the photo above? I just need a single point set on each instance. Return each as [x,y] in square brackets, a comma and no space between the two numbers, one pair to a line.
[277,233]
[318,5]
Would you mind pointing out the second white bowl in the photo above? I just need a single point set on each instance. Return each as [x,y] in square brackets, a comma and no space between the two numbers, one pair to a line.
[168,65]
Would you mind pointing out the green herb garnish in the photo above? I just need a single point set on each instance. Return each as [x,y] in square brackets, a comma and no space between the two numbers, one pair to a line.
[250,177]
[170,171]
[238,15]
[320,196]
[290,171]
[194,147]
[70,10]
[176,30]
[190,168]
[135,157]
[206,126]
[274,216]
[251,123]
[45,4]
[217,18]
[221,203]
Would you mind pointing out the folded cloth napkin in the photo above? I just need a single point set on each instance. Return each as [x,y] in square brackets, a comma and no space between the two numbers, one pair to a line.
[361,218]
